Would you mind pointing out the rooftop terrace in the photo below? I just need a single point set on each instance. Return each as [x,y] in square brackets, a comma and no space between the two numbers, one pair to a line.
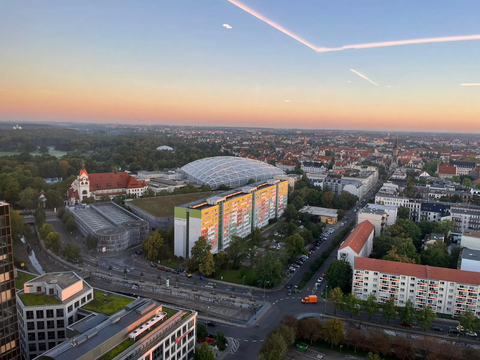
[107,303]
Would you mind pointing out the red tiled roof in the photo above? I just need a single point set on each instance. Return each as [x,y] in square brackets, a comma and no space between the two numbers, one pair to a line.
[447,169]
[83,172]
[107,181]
[359,236]
[73,194]
[422,271]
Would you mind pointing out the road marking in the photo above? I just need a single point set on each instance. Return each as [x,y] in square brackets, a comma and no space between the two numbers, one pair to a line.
[281,299]
[245,340]
[254,340]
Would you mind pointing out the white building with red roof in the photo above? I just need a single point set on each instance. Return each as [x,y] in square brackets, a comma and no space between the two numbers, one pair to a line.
[447,291]
[358,243]
[110,184]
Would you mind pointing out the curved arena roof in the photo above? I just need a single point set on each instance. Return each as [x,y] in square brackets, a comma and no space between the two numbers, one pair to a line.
[228,170]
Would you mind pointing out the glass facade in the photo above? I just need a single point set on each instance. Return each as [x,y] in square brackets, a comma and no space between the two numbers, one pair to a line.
[9,339]
[229,171]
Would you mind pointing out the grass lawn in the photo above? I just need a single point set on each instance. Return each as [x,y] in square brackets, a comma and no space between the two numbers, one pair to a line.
[236,276]
[107,305]
[118,349]
[171,263]
[38,299]
[163,206]
[22,278]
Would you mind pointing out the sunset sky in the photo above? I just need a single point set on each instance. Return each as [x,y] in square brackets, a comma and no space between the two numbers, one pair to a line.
[275,63]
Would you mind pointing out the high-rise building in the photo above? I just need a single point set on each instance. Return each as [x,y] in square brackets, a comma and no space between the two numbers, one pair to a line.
[9,337]
[235,212]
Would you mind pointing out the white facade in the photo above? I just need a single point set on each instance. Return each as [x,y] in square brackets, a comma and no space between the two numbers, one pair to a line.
[377,217]
[423,285]
[471,240]
[412,204]
[358,244]
[466,219]
[43,326]
[470,260]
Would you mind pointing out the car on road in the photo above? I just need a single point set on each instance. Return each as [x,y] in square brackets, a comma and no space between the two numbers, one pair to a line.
[161,268]
[210,323]
[436,328]
[153,264]
[229,288]
[403,323]
[323,276]
[453,330]
[319,280]
[189,275]
[472,334]
[313,248]
[139,252]
[288,286]
[317,285]
[289,292]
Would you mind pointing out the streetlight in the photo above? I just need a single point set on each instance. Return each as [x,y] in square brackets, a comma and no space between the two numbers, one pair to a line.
[326,294]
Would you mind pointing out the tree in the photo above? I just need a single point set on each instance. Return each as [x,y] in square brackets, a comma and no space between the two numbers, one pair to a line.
[352,304]
[236,251]
[268,269]
[274,347]
[291,212]
[436,255]
[295,246]
[444,227]
[142,274]
[202,332]
[18,225]
[200,248]
[54,199]
[207,264]
[203,353]
[467,182]
[371,306]
[287,333]
[336,298]
[355,337]
[333,332]
[153,245]
[468,320]
[104,198]
[39,216]
[256,236]
[309,329]
[403,213]
[339,274]
[70,225]
[43,150]
[222,341]
[91,241]
[45,230]
[327,199]
[405,252]
[426,316]
[72,252]
[389,311]
[298,203]
[148,193]
[53,241]
[373,356]
[29,198]
[408,312]
[403,350]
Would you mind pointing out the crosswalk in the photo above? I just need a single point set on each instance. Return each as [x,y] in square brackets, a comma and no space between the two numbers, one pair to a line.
[235,343]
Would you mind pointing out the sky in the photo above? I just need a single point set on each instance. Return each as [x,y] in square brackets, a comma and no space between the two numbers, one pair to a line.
[313,64]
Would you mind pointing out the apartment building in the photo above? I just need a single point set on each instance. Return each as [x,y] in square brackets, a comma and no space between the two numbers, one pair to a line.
[412,204]
[380,216]
[470,240]
[446,291]
[144,329]
[9,334]
[358,243]
[466,218]
[470,260]
[47,305]
[434,212]
[235,212]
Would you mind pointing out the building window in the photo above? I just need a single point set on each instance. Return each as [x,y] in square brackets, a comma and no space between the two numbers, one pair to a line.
[30,325]
[61,334]
[51,292]
[51,335]
[29,315]
[51,345]
[70,308]
[70,320]
[41,336]
[42,347]
[89,296]
[77,304]
[60,323]
[60,313]
[31,336]
[40,325]
[49,313]
[50,324]
[39,314]
[83,300]
[32,347]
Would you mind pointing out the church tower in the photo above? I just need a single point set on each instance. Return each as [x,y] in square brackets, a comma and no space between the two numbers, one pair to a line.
[83,184]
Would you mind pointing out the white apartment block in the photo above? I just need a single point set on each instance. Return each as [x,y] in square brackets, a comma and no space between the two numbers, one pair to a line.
[380,216]
[358,243]
[47,305]
[412,204]
[446,291]
[466,219]
[470,240]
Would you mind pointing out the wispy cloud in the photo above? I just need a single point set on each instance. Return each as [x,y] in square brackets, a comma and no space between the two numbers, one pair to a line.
[363,76]
[287,101]
[470,84]
[353,46]
[226,26]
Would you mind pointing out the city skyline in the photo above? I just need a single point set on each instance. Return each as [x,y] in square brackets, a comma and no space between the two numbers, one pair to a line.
[369,66]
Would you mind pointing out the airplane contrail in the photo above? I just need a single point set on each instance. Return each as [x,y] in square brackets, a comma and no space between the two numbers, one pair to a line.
[363,76]
[470,84]
[353,46]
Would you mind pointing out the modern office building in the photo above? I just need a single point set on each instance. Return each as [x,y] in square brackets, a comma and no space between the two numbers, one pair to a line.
[446,291]
[358,243]
[229,171]
[235,212]
[9,334]
[115,228]
[47,305]
[143,330]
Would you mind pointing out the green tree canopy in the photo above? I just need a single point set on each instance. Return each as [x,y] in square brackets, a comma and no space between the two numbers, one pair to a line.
[371,306]
[336,298]
[389,311]
[18,225]
[295,246]
[91,241]
[339,274]
[333,332]
[53,241]
[269,269]
[72,252]
[29,198]
[45,230]
[207,264]
[425,316]
[403,213]
[203,353]
[436,255]
[237,250]
[407,313]
[153,245]
[352,304]
[256,236]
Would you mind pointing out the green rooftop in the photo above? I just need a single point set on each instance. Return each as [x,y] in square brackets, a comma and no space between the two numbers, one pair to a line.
[38,299]
[22,278]
[107,303]
[163,206]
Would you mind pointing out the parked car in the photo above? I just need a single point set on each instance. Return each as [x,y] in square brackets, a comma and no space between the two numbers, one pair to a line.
[472,334]
[288,286]
[139,252]
[189,275]
[403,323]
[161,268]
[153,264]
[296,266]
[289,292]
[291,269]
[453,330]
[436,328]
[168,270]
[319,280]
[323,276]
[210,323]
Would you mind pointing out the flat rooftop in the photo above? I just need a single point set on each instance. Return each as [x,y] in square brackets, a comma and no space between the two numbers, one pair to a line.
[163,206]
[319,211]
[61,279]
[472,233]
[471,254]
[373,211]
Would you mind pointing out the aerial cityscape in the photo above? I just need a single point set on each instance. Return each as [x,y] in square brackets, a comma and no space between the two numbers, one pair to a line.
[240,179]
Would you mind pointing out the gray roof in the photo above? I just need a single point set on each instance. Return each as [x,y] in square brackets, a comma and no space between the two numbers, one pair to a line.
[471,254]
[319,211]
[61,279]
